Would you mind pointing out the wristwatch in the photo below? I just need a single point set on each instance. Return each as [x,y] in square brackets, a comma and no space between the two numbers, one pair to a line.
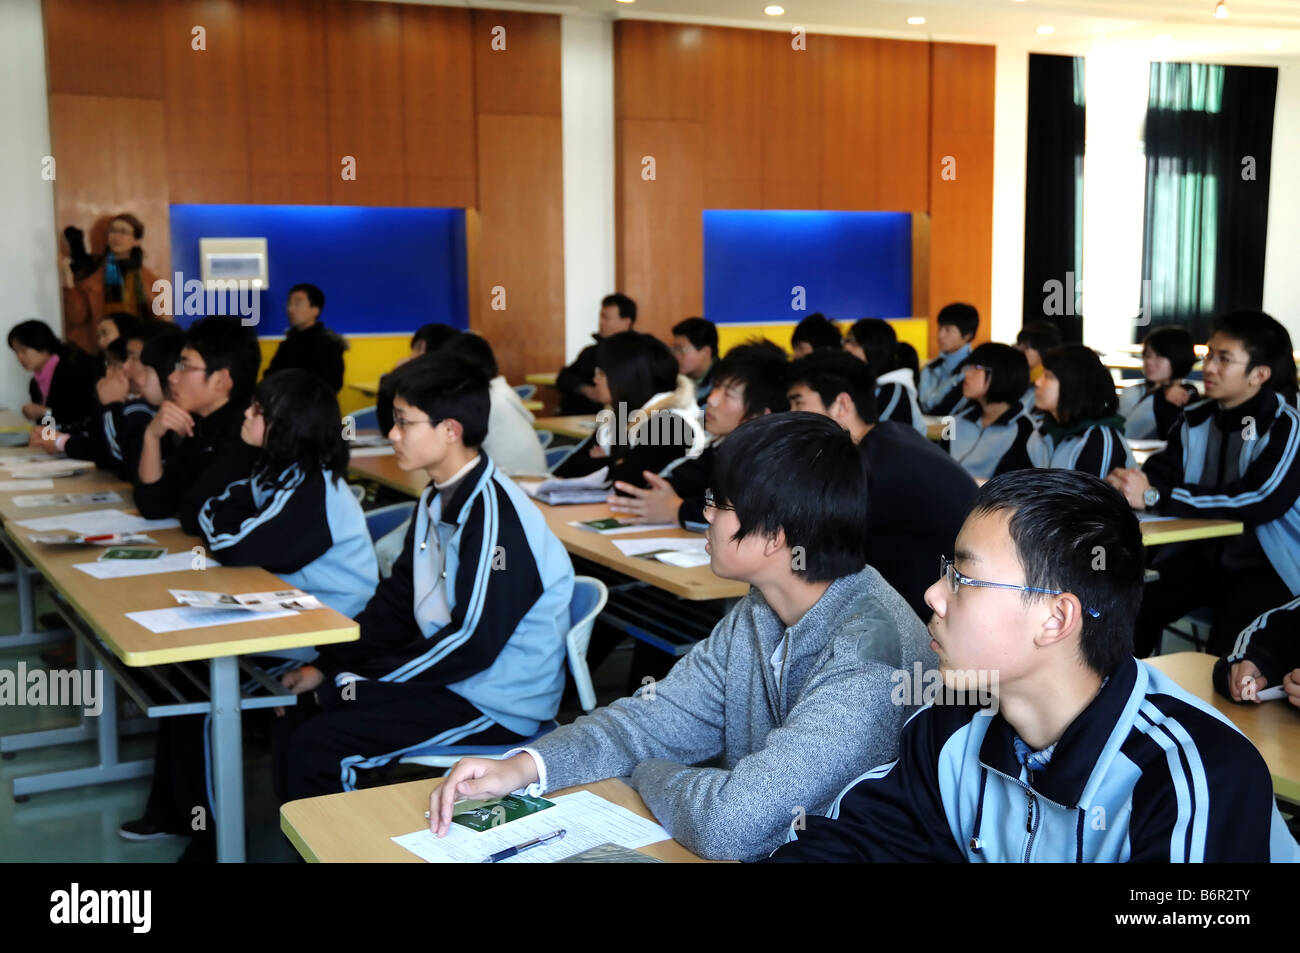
[1150,497]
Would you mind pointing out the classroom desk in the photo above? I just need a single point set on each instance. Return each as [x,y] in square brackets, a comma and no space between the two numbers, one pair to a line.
[1272,727]
[383,469]
[933,426]
[97,612]
[11,421]
[356,826]
[580,426]
[542,380]
[1160,532]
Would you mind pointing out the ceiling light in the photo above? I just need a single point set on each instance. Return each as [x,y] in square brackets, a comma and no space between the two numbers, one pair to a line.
[916,21]
[626,1]
[1220,10]
[1045,30]
[1017,1]
[774,10]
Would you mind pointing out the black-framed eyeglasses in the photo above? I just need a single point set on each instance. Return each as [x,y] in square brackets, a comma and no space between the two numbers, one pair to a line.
[956,579]
[401,423]
[712,504]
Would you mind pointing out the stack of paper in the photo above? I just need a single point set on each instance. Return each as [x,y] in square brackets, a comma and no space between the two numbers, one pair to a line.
[124,568]
[684,552]
[97,523]
[592,488]
[48,468]
[67,499]
[292,599]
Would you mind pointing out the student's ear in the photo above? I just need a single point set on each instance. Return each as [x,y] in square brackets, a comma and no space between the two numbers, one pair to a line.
[842,408]
[455,429]
[774,544]
[1063,620]
[222,381]
[1259,376]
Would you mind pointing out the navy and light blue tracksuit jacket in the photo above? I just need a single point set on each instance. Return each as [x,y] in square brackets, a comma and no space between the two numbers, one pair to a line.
[508,584]
[1271,642]
[1238,465]
[1146,772]
[1001,447]
[112,438]
[896,399]
[1095,446]
[309,530]
[939,388]
[1147,413]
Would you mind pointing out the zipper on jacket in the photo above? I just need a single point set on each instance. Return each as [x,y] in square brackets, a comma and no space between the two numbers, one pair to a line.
[1031,822]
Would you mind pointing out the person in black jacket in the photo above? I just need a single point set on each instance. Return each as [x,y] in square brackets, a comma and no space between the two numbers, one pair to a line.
[308,344]
[426,339]
[917,496]
[63,375]
[749,382]
[89,440]
[576,383]
[202,416]
[1266,654]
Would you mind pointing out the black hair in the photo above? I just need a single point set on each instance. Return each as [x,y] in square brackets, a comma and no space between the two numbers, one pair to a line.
[1269,345]
[302,421]
[626,306]
[137,226]
[315,297]
[1086,391]
[224,342]
[759,366]
[964,317]
[637,366]
[434,335]
[116,350]
[160,348]
[700,332]
[1040,335]
[799,474]
[124,322]
[1175,344]
[879,342]
[1062,522]
[817,332]
[474,347]
[905,356]
[830,373]
[37,336]
[446,386]
[1008,371]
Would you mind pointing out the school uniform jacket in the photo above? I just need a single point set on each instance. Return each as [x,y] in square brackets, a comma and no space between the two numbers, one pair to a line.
[112,439]
[1001,447]
[1146,773]
[1147,414]
[316,349]
[309,530]
[1271,642]
[1257,444]
[940,383]
[896,399]
[71,400]
[508,584]
[1092,446]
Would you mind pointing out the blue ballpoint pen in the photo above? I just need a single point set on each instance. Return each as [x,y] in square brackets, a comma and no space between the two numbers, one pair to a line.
[520,848]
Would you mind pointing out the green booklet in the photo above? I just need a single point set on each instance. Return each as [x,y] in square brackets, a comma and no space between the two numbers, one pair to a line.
[601,525]
[485,815]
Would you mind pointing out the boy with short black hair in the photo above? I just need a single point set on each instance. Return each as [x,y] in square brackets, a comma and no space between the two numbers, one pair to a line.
[939,389]
[749,382]
[577,382]
[916,495]
[200,421]
[790,694]
[1088,755]
[464,641]
[1235,455]
[695,345]
[814,333]
[308,344]
[511,441]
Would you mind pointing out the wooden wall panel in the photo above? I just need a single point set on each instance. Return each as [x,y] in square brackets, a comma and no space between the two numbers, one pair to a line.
[961,126]
[791,93]
[438,109]
[96,48]
[110,158]
[206,102]
[902,102]
[363,49]
[524,78]
[732,118]
[521,241]
[850,123]
[658,70]
[288,118]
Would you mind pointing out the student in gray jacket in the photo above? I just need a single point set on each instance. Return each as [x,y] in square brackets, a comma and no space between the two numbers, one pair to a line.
[794,693]
[991,435]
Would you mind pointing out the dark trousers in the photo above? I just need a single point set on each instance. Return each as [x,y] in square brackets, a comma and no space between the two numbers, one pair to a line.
[1190,578]
[319,748]
[178,801]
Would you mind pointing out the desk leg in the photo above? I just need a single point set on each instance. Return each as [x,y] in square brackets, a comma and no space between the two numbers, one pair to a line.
[27,633]
[227,759]
[109,767]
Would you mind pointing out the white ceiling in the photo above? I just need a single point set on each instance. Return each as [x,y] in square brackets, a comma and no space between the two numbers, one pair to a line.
[1255,30]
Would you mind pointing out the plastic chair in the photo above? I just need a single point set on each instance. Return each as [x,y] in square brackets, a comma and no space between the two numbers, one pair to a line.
[544,437]
[367,418]
[525,391]
[589,597]
[384,519]
[557,455]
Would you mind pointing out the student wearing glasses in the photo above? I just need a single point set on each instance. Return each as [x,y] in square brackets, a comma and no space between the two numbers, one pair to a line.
[199,423]
[463,643]
[1233,456]
[792,693]
[1085,754]
[991,435]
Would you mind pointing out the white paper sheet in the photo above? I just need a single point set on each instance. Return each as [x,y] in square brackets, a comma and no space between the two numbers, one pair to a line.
[635,547]
[67,499]
[188,617]
[619,530]
[588,820]
[1153,518]
[22,486]
[94,522]
[47,468]
[384,451]
[124,568]
[684,560]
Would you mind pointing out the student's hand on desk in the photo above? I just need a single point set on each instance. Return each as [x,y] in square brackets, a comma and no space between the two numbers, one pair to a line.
[305,679]
[170,416]
[37,441]
[1132,483]
[1292,685]
[659,504]
[478,778]
[33,411]
[1242,674]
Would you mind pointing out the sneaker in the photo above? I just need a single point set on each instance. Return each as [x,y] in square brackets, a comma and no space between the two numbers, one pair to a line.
[143,830]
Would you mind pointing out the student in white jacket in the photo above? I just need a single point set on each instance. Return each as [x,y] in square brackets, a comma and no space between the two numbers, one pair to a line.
[511,440]
[875,341]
